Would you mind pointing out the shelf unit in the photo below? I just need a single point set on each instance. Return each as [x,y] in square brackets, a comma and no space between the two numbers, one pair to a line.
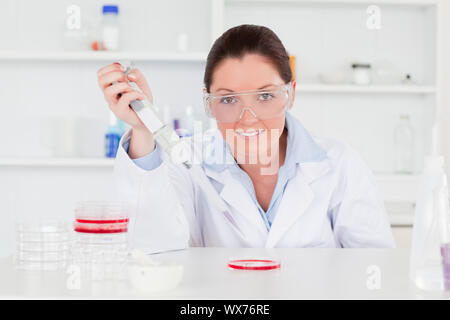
[56,163]
[80,56]
[109,163]
[217,13]
[369,89]
[419,3]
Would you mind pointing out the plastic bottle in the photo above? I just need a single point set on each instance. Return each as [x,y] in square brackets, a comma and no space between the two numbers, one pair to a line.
[188,120]
[110,27]
[112,137]
[430,230]
[404,146]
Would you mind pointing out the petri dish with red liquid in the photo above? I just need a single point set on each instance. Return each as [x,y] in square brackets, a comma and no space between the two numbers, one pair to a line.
[101,237]
[255,264]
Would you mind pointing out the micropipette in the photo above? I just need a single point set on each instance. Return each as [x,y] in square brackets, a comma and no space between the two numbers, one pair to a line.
[168,139]
[164,135]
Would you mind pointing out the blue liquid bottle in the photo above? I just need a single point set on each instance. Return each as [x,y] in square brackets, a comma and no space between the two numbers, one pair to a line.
[112,137]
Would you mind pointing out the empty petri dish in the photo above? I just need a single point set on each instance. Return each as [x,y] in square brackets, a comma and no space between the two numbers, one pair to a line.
[44,236]
[101,211]
[44,246]
[40,265]
[42,256]
[43,227]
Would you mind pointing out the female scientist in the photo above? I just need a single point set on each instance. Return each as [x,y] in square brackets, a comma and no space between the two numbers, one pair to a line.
[270,183]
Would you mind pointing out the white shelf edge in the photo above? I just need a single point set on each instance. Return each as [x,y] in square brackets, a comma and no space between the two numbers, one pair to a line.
[418,3]
[102,56]
[401,219]
[392,177]
[348,88]
[57,162]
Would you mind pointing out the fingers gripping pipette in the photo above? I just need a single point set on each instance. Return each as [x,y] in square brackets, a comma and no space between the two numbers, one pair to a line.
[164,135]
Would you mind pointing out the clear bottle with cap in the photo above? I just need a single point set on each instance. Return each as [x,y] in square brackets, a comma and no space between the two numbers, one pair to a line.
[430,250]
[110,27]
[404,145]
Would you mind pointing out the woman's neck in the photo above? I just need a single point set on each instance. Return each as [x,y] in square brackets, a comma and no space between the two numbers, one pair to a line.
[277,157]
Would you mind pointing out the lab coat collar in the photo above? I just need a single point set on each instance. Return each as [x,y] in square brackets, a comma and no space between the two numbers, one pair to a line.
[297,197]
[302,151]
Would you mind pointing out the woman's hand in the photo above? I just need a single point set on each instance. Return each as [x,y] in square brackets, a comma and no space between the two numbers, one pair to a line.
[119,94]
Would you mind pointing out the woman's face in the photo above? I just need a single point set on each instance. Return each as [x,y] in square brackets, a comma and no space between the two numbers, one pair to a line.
[252,72]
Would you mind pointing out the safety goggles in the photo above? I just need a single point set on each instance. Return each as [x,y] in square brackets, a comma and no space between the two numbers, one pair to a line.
[262,104]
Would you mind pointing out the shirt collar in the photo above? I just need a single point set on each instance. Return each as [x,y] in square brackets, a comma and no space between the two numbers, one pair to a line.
[300,148]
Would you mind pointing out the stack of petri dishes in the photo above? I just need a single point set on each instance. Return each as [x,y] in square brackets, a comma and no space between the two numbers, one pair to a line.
[100,247]
[44,245]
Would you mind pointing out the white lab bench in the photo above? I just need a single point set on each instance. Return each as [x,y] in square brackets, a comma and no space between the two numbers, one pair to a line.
[304,274]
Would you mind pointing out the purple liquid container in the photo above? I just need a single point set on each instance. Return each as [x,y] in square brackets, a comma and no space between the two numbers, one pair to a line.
[445,253]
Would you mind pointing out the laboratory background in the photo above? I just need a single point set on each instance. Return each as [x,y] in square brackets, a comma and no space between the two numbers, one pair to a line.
[374,75]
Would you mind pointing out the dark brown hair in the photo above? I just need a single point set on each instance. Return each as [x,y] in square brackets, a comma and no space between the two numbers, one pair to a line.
[248,38]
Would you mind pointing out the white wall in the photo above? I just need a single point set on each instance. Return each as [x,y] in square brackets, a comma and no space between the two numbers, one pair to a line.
[322,38]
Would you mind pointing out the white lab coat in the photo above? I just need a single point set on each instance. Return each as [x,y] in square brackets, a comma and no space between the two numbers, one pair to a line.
[331,203]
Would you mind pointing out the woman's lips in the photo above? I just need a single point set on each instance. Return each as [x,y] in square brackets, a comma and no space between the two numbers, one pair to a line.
[249,133]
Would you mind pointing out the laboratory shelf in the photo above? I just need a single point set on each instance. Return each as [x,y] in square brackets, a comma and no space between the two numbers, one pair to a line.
[418,3]
[365,89]
[401,213]
[102,56]
[398,187]
[57,162]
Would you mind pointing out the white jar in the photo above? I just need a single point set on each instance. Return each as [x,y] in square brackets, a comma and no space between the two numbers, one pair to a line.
[361,74]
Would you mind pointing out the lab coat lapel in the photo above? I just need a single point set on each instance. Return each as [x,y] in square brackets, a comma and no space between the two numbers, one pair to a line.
[237,197]
[297,197]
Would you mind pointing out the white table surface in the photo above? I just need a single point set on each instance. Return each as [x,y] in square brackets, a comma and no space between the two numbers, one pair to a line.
[304,274]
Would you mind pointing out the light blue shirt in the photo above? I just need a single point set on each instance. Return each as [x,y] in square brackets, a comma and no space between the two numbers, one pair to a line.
[300,148]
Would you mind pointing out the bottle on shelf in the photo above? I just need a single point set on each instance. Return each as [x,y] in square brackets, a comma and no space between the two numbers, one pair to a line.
[110,27]
[362,73]
[292,65]
[112,137]
[188,120]
[404,146]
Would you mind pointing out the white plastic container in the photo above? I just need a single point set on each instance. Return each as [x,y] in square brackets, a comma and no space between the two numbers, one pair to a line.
[430,226]
[361,74]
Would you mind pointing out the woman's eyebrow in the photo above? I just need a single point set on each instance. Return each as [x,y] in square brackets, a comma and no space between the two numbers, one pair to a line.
[267,85]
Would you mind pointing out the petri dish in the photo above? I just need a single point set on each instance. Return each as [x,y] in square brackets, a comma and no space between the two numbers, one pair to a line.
[117,227]
[254,264]
[43,232]
[44,246]
[101,212]
[40,265]
[43,227]
[42,256]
